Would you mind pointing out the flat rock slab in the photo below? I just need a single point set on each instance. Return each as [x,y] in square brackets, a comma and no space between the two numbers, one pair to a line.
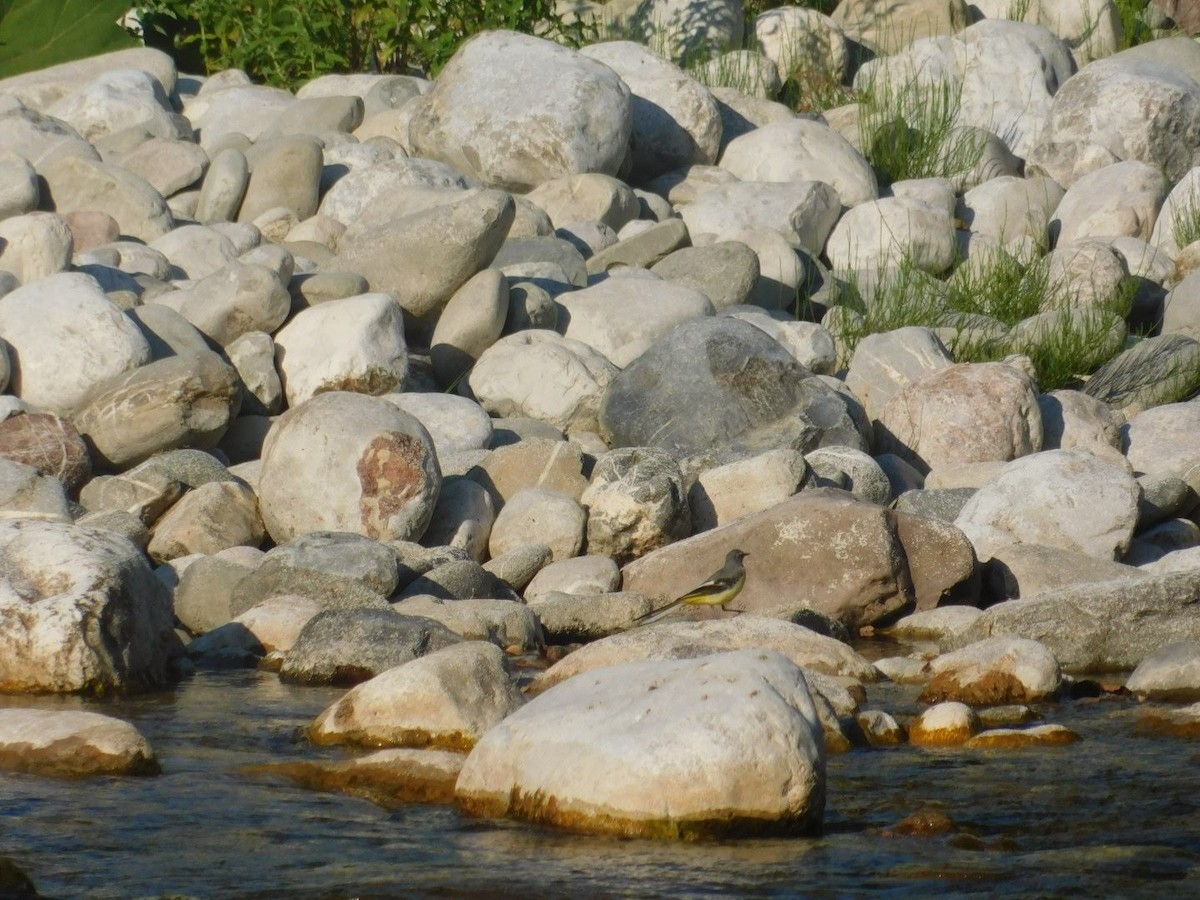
[1104,627]
[72,743]
[684,640]
[391,777]
[722,745]
[1017,738]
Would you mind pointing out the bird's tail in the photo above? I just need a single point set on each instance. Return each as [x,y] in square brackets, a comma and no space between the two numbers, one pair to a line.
[655,614]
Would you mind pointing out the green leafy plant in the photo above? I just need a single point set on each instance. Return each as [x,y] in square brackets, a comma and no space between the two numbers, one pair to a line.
[1134,29]
[35,34]
[286,42]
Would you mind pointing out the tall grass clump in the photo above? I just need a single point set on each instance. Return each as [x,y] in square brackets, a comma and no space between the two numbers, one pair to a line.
[908,128]
[984,312]
[1185,219]
[1134,29]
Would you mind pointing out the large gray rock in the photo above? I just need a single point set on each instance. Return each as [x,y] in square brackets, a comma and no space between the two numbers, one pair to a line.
[56,364]
[480,103]
[83,612]
[713,382]
[676,122]
[181,401]
[1061,498]
[348,462]
[1109,626]
[1121,109]
[351,646]
[422,259]
[337,569]
[742,757]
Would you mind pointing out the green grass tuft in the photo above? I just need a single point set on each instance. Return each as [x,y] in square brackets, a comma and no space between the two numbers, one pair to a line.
[985,312]
[909,130]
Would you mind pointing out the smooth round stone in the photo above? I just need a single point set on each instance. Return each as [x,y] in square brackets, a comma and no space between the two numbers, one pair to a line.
[35,245]
[589,574]
[542,515]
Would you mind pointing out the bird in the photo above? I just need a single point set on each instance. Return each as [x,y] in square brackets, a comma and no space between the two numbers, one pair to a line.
[718,590]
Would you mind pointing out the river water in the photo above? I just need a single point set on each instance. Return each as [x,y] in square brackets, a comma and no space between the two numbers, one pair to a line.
[1112,815]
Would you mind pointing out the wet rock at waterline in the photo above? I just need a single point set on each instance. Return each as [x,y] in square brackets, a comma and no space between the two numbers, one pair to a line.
[85,613]
[72,744]
[446,700]
[671,749]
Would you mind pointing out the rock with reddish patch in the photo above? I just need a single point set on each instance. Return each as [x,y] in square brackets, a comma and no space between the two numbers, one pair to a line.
[48,443]
[348,462]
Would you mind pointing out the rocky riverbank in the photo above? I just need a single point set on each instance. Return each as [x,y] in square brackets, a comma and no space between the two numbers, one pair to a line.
[430,389]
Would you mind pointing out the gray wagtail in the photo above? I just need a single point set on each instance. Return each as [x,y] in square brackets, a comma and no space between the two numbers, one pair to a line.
[720,588]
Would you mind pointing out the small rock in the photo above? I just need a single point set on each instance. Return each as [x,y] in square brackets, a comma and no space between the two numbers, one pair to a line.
[946,724]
